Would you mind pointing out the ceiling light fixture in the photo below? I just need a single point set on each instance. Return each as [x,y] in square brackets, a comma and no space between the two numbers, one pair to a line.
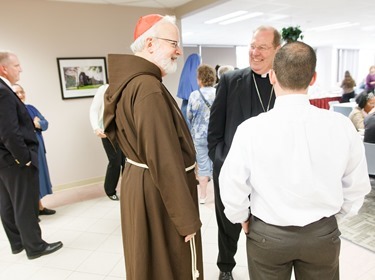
[241,18]
[333,26]
[225,17]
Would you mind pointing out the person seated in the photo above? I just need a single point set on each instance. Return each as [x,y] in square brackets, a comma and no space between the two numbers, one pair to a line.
[347,86]
[366,103]
[370,79]
[369,135]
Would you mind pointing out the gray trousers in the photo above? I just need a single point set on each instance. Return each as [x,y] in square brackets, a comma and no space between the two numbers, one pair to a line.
[313,251]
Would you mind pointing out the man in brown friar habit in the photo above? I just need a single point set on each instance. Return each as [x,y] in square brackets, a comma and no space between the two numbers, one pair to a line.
[159,202]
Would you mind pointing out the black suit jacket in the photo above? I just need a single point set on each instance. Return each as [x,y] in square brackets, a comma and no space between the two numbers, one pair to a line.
[231,107]
[18,142]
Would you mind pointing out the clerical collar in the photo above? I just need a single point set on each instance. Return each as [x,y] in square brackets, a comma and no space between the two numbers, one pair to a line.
[265,75]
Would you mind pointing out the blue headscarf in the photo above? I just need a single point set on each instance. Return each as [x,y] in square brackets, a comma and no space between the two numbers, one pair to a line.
[188,80]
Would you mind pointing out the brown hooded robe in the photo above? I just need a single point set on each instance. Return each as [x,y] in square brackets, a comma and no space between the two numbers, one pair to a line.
[159,205]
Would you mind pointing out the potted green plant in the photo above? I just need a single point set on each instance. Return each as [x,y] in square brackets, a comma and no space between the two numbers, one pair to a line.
[291,34]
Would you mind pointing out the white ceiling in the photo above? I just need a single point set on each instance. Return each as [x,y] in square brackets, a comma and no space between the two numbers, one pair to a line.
[306,14]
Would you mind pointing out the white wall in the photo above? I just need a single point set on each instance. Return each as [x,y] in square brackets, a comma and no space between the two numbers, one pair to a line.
[327,69]
[38,33]
[41,31]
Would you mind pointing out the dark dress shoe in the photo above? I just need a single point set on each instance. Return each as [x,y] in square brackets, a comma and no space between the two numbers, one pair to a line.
[47,211]
[113,197]
[17,250]
[52,247]
[225,276]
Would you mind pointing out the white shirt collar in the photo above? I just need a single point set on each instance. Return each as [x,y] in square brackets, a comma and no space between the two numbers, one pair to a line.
[292,100]
[6,81]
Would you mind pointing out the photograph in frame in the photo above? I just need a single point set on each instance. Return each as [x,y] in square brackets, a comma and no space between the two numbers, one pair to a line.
[80,77]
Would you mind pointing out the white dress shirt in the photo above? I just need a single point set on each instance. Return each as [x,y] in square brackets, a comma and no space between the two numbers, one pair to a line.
[299,163]
[6,81]
[97,108]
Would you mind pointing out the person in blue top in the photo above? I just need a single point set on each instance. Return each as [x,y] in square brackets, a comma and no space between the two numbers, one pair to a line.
[198,114]
[41,124]
[188,81]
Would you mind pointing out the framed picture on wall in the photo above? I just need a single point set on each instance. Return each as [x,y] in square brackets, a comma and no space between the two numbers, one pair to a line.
[81,76]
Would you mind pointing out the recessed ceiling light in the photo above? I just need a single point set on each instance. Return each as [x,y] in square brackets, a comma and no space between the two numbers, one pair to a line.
[224,17]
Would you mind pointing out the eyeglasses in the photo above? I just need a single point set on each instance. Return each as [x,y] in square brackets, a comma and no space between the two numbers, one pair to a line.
[174,43]
[261,48]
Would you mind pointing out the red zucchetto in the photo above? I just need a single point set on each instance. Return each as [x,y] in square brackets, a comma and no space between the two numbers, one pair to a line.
[145,23]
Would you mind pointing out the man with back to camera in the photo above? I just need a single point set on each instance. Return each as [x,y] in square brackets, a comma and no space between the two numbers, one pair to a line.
[19,179]
[319,174]
[240,94]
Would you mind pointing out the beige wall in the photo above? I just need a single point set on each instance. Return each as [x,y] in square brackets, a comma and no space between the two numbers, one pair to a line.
[38,33]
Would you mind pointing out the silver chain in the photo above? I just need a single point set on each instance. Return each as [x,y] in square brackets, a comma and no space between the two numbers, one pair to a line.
[260,99]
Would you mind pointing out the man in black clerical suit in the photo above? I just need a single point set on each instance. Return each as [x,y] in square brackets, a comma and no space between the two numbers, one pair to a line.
[19,181]
[240,94]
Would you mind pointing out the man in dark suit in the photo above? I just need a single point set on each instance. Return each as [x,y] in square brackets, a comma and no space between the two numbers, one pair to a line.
[19,181]
[241,94]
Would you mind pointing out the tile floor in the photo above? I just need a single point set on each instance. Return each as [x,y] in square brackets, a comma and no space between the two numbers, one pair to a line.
[88,223]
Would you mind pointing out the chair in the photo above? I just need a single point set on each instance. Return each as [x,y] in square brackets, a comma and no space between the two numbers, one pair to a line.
[370,157]
[343,110]
[332,102]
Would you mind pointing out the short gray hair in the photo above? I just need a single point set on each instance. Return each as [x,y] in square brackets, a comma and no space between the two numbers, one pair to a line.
[139,44]
[223,69]
[4,56]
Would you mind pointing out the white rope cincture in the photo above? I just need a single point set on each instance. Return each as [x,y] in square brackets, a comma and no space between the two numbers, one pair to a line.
[146,167]
[194,270]
[136,163]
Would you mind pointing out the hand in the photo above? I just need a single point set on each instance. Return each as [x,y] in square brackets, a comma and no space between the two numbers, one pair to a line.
[37,122]
[188,237]
[99,132]
[245,226]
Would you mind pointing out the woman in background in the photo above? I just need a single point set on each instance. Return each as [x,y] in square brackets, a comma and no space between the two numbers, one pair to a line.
[198,114]
[366,103]
[370,79]
[41,124]
[347,86]
[188,81]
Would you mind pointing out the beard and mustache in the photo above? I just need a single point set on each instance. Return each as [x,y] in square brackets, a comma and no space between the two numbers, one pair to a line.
[167,64]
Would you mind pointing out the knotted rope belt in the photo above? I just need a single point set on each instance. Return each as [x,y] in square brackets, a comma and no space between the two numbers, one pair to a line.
[145,166]
[194,270]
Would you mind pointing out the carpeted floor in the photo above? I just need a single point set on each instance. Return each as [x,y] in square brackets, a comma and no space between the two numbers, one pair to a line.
[360,229]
